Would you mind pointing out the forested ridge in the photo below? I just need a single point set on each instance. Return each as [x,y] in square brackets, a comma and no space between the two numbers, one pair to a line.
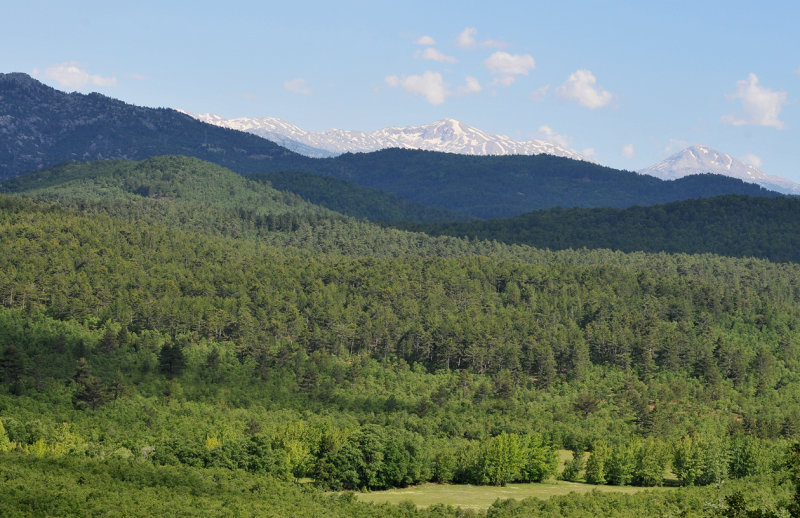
[509,185]
[144,351]
[734,225]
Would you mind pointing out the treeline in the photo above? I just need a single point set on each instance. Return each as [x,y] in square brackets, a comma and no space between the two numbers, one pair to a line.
[732,225]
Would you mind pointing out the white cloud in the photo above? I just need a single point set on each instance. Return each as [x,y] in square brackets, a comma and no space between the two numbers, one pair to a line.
[628,151]
[297,85]
[425,40]
[760,105]
[431,85]
[589,152]
[539,94]
[508,66]
[139,77]
[580,86]
[494,44]
[472,86]
[435,55]
[752,159]
[547,133]
[466,39]
[74,75]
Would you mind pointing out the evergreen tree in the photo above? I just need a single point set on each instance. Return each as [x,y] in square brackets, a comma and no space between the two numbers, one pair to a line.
[12,365]
[90,391]
[172,360]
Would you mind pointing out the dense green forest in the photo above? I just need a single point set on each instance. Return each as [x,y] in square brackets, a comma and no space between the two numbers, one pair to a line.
[174,336]
[733,225]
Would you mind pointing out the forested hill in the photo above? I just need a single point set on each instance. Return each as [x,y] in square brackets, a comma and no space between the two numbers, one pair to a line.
[154,357]
[504,186]
[199,196]
[731,225]
[42,127]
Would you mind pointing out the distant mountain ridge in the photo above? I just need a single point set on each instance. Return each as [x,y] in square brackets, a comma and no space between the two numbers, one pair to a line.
[41,127]
[446,135]
[702,159]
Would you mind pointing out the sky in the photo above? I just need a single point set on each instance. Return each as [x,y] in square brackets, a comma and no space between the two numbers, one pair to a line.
[626,83]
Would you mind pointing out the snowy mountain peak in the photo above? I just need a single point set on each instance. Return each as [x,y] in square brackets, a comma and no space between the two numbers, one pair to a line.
[446,135]
[703,159]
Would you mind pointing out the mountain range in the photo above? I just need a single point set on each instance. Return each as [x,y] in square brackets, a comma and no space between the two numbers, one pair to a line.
[42,127]
[446,135]
[453,136]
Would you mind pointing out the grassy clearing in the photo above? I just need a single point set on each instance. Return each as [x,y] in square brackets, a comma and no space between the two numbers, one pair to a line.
[481,497]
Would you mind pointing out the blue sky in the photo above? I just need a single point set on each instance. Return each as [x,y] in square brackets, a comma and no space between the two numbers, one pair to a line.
[627,82]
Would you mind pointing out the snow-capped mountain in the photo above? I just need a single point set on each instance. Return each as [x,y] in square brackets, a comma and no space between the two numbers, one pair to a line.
[279,131]
[447,135]
[701,159]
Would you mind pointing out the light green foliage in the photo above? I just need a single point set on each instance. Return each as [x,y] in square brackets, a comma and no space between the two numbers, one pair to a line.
[621,464]
[5,442]
[596,466]
[500,460]
[651,460]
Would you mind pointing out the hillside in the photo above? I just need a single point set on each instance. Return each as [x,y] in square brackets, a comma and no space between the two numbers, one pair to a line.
[731,225]
[156,358]
[504,186]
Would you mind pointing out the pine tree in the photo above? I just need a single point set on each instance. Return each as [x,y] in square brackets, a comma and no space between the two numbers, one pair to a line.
[91,393]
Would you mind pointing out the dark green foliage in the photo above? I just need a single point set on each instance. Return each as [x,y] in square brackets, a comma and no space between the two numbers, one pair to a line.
[90,392]
[171,359]
[374,458]
[733,225]
[504,186]
[12,365]
[353,200]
